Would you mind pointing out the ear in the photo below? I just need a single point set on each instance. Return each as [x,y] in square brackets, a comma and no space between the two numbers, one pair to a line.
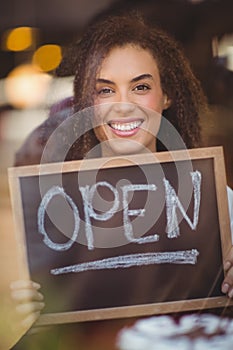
[167,102]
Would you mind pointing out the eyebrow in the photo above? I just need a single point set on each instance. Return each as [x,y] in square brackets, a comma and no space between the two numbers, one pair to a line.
[104,81]
[141,77]
[134,80]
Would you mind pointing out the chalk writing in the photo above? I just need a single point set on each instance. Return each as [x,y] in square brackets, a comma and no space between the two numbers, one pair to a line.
[126,261]
[88,194]
[57,190]
[138,212]
[172,203]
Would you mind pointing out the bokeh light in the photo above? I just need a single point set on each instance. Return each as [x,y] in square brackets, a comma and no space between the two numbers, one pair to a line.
[26,86]
[19,39]
[48,57]
[225,50]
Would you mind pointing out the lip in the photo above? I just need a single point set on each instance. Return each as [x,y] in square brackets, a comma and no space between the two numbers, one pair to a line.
[125,128]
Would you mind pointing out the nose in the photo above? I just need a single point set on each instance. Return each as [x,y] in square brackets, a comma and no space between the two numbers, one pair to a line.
[124,107]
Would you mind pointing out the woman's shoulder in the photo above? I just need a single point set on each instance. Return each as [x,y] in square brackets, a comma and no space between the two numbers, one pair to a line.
[32,149]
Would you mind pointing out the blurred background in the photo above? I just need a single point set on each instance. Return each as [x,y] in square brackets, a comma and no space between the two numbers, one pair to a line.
[33,35]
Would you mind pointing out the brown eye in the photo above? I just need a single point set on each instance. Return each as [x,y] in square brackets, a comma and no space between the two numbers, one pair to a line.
[142,87]
[105,91]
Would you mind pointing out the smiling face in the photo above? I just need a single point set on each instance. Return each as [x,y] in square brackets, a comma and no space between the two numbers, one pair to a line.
[129,102]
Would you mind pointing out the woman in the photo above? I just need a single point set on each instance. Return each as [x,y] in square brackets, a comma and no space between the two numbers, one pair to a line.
[132,74]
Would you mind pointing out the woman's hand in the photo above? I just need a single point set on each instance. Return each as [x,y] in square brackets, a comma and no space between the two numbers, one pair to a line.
[20,308]
[227,285]
[28,302]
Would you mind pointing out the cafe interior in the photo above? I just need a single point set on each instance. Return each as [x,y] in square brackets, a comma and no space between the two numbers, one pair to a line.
[33,36]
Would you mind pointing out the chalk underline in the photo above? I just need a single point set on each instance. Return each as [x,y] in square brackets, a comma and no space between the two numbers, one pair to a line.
[125,261]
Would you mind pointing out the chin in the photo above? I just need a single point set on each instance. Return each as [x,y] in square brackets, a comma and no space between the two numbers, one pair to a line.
[119,146]
[122,148]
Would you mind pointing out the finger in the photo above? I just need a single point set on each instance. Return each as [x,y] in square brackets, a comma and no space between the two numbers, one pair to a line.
[227,265]
[24,284]
[30,320]
[23,295]
[227,285]
[230,293]
[27,308]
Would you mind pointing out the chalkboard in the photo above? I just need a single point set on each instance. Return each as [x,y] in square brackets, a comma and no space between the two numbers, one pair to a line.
[124,236]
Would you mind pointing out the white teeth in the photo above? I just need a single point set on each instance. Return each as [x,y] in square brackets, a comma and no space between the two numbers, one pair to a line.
[125,126]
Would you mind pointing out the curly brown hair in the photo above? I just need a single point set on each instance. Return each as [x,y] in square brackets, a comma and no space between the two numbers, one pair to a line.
[177,79]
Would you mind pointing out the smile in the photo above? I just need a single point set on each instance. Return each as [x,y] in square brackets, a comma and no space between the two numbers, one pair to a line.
[128,126]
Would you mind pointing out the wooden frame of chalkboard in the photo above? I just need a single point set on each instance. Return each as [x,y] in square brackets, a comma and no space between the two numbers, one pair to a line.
[176,200]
